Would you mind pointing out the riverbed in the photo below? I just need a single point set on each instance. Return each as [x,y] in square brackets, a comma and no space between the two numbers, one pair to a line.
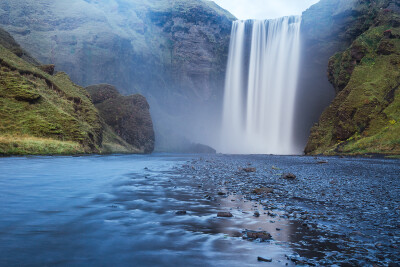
[162,210]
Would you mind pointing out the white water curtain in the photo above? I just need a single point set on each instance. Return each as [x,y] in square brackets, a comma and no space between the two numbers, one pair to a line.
[260,88]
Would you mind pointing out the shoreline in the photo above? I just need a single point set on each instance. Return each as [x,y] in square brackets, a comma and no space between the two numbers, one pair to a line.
[324,198]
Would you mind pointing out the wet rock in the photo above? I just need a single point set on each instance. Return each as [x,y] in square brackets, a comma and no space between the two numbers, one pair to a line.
[294,258]
[249,170]
[221,194]
[224,214]
[253,235]
[289,176]
[264,259]
[181,212]
[262,191]
[256,214]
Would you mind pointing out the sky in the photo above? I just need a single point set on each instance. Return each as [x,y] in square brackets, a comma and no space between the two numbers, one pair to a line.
[265,9]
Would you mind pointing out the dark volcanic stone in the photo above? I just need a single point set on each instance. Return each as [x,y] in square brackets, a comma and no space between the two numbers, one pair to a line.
[289,176]
[253,235]
[128,116]
[249,169]
[264,190]
[264,259]
[102,92]
[181,212]
[225,214]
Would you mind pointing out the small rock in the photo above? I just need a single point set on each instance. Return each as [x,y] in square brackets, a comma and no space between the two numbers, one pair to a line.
[181,212]
[249,170]
[262,235]
[289,176]
[264,190]
[224,214]
[256,214]
[221,193]
[264,259]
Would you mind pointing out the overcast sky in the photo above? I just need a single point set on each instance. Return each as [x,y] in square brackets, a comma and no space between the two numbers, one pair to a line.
[265,9]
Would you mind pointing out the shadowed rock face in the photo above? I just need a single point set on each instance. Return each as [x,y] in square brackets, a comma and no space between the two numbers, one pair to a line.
[172,52]
[363,117]
[128,116]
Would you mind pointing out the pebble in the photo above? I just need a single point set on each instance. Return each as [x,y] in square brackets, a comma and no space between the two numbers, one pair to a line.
[264,259]
[224,214]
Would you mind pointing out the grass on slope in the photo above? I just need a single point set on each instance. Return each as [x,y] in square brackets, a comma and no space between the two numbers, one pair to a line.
[54,112]
[364,118]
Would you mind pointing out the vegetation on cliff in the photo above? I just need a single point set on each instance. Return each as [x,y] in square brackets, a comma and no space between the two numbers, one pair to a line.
[172,52]
[45,113]
[364,118]
[42,113]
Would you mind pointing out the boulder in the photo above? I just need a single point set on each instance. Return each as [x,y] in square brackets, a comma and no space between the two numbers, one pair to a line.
[289,176]
[128,116]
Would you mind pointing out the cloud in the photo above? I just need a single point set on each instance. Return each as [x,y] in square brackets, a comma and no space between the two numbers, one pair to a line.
[265,9]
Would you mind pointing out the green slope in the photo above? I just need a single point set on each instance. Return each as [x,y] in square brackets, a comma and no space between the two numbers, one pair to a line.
[364,118]
[41,113]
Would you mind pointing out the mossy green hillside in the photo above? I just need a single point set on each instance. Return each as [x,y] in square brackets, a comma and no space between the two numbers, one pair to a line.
[365,115]
[57,114]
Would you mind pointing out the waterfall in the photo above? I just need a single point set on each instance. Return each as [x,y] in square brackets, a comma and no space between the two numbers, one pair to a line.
[260,88]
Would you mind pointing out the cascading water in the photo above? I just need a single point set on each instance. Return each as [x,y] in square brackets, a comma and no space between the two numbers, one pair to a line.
[260,89]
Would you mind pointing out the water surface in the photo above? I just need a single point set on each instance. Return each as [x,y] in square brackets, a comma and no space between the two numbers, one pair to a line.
[115,211]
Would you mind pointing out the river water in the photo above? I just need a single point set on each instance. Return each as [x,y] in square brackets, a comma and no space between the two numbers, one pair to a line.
[113,211]
[120,210]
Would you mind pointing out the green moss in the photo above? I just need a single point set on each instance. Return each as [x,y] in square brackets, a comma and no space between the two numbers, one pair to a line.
[363,117]
[12,145]
[38,105]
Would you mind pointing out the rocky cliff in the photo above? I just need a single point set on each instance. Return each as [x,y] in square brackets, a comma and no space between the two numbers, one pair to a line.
[128,116]
[363,117]
[172,52]
[43,112]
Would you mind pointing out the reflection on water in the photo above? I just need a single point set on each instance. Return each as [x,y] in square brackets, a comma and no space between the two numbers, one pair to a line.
[120,210]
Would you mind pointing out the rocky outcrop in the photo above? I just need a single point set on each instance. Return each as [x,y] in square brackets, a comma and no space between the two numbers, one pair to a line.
[128,116]
[362,118]
[42,113]
[172,52]
[323,33]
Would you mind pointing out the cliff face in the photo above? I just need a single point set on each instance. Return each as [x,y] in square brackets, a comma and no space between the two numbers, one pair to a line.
[363,117]
[46,113]
[128,116]
[324,31]
[172,52]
